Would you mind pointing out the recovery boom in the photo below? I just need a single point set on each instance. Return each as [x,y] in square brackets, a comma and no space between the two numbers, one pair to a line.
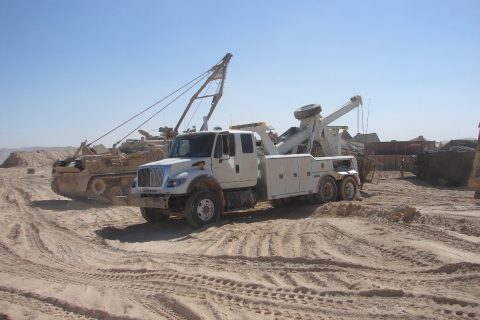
[312,127]
[316,128]
[219,72]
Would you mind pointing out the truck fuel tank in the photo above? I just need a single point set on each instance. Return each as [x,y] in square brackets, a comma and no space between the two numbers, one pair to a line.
[240,200]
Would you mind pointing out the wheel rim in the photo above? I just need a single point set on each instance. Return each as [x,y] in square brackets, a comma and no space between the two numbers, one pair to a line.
[349,190]
[114,192]
[205,209]
[328,191]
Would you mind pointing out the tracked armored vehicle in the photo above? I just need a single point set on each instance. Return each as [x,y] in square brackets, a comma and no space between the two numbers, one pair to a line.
[95,172]
[450,166]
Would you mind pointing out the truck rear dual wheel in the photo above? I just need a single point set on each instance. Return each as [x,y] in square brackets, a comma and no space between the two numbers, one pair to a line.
[327,192]
[347,189]
[202,208]
[153,214]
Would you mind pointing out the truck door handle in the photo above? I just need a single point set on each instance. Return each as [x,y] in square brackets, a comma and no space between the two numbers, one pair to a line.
[295,175]
[237,168]
[281,176]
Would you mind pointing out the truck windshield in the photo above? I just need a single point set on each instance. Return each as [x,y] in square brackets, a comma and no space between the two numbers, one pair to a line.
[194,145]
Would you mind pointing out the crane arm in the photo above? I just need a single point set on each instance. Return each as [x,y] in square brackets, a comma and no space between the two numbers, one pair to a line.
[354,102]
[293,141]
[317,128]
[311,128]
[219,72]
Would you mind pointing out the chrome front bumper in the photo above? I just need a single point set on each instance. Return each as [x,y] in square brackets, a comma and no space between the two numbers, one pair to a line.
[143,202]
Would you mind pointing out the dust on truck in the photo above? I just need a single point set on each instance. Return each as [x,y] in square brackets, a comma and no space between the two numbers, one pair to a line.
[209,173]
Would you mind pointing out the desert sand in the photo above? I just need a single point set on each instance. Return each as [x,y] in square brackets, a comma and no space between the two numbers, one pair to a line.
[408,250]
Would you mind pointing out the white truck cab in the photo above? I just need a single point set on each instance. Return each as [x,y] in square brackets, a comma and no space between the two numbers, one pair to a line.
[227,157]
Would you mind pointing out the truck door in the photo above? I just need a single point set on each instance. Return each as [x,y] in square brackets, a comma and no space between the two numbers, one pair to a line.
[247,159]
[224,166]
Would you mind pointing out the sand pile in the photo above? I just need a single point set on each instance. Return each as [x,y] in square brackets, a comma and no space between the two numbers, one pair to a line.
[37,158]
[69,259]
[402,212]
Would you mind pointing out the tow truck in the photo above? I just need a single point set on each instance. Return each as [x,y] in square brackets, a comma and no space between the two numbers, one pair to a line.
[210,173]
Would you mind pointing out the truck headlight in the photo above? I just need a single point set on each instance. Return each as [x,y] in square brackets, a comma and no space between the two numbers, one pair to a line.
[175,183]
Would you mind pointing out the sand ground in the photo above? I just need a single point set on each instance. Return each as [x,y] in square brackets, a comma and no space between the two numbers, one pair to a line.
[345,260]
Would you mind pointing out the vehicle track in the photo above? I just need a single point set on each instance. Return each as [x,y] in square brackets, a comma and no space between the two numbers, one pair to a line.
[250,265]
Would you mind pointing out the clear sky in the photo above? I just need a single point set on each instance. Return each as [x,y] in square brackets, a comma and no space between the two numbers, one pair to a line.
[73,70]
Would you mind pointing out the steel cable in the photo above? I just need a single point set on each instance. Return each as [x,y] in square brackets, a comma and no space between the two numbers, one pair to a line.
[165,106]
[202,75]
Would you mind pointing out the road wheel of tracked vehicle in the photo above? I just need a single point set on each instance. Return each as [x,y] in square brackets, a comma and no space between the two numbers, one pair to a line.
[115,192]
[327,191]
[442,182]
[307,111]
[158,154]
[98,186]
[347,189]
[153,215]
[202,207]
[124,181]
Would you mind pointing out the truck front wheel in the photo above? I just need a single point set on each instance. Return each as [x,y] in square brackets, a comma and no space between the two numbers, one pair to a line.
[202,207]
[347,189]
[153,214]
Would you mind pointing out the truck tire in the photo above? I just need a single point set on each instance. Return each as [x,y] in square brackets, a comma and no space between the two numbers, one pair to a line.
[281,203]
[327,192]
[307,111]
[153,215]
[202,208]
[347,189]
[273,203]
[311,199]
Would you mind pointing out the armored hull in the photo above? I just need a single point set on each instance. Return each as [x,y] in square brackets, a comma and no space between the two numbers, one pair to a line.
[89,175]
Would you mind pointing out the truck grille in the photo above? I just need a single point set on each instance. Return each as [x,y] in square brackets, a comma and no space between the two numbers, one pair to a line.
[150,177]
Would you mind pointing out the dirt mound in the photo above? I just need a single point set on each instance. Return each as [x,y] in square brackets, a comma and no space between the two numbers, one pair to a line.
[37,158]
[356,209]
